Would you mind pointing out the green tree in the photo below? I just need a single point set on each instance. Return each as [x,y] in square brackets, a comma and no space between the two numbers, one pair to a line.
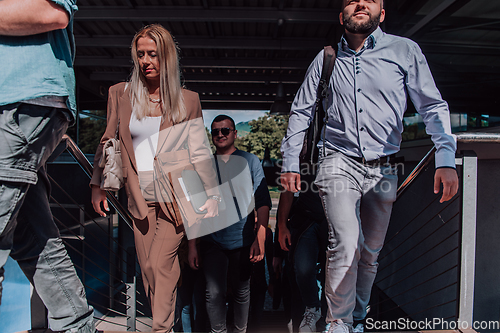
[209,136]
[266,132]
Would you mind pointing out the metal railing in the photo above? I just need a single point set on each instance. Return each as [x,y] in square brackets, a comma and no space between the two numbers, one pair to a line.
[426,266]
[427,263]
[108,269]
[461,138]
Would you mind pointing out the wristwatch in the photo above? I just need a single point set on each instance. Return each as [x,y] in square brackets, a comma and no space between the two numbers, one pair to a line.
[217,198]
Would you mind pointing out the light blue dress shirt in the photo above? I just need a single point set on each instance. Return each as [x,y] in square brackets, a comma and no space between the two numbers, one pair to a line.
[39,65]
[367,97]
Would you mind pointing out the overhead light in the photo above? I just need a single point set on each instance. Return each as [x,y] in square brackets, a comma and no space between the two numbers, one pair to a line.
[280,105]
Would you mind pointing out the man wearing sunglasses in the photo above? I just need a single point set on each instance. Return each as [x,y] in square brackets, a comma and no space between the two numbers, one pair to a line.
[227,255]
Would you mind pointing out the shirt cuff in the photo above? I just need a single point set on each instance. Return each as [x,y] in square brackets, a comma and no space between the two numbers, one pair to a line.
[445,158]
[289,166]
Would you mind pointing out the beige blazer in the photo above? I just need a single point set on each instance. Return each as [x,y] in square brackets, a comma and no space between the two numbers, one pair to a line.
[183,146]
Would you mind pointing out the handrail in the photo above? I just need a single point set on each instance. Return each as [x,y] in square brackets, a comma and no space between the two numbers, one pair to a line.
[466,137]
[84,163]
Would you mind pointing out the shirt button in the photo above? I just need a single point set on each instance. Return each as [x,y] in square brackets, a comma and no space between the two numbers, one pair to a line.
[362,129]
[359,89]
[360,110]
[357,72]
[364,148]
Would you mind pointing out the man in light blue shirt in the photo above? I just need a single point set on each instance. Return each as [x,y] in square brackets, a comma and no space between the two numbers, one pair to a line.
[367,97]
[37,103]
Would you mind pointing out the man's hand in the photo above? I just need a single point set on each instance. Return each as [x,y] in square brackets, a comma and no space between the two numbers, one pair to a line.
[99,196]
[212,207]
[290,181]
[284,237]
[257,250]
[448,177]
[31,17]
[194,260]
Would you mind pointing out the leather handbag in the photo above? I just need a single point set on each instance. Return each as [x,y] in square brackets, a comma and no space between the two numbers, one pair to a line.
[111,162]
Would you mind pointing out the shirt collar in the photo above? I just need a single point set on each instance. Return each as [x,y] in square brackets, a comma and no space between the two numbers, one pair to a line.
[370,42]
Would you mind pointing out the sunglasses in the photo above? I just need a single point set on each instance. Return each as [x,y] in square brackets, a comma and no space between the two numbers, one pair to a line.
[225,131]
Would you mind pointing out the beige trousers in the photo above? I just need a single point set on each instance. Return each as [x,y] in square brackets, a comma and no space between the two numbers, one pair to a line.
[157,241]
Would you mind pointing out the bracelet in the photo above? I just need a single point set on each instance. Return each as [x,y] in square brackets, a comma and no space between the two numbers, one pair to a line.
[216,198]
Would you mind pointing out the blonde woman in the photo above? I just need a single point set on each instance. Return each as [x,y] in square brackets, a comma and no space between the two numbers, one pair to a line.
[161,133]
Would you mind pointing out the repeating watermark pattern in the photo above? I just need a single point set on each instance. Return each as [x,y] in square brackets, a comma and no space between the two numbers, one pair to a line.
[338,187]
[406,324]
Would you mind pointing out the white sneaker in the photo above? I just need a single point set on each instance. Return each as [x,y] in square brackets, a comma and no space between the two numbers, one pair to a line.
[337,326]
[309,320]
[359,328]
[290,326]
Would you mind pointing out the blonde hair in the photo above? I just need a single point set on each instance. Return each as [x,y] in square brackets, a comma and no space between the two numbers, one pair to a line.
[172,101]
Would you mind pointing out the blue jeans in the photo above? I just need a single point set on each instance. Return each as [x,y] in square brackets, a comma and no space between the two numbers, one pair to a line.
[219,267]
[357,200]
[310,246]
[29,134]
[190,310]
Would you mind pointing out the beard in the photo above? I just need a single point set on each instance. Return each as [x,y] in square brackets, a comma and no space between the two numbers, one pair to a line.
[366,27]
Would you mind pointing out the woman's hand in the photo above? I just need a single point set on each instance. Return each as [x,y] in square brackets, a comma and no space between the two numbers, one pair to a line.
[212,207]
[99,196]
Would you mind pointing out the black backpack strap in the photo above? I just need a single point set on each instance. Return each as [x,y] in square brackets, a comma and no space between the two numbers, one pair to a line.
[309,151]
[329,57]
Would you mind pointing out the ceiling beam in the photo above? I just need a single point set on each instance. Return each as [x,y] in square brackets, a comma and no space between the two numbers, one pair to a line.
[429,17]
[231,105]
[210,43]
[261,63]
[269,44]
[249,98]
[243,89]
[439,15]
[429,48]
[174,14]
[453,49]
[226,78]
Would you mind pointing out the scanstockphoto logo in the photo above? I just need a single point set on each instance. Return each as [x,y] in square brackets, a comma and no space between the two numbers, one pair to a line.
[432,324]
[387,183]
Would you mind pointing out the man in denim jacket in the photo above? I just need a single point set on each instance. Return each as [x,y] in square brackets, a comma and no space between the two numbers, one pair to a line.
[37,103]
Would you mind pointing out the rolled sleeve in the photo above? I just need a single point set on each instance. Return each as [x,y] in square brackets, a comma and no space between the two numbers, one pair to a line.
[68,5]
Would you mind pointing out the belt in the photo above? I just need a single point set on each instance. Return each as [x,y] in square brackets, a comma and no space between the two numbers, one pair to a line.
[384,160]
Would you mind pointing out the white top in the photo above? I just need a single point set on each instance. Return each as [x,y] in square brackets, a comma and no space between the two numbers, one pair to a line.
[145,140]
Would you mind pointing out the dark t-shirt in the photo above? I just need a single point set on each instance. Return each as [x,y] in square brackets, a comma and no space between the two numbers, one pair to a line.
[234,172]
